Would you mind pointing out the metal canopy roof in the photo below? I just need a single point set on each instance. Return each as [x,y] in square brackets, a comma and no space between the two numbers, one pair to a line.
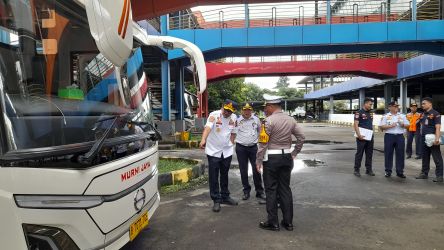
[348,86]
[420,65]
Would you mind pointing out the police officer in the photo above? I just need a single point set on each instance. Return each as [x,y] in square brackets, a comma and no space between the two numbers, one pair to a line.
[247,130]
[413,132]
[364,119]
[394,125]
[275,157]
[219,150]
[431,124]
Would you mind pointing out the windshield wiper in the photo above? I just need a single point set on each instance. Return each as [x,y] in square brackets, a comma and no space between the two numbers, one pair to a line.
[87,158]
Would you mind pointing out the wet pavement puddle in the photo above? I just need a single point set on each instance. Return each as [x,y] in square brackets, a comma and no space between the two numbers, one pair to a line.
[299,165]
[322,142]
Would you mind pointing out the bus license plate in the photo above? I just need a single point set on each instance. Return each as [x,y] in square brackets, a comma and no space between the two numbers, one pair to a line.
[138,225]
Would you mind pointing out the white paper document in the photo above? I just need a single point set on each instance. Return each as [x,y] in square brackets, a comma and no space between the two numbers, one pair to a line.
[367,133]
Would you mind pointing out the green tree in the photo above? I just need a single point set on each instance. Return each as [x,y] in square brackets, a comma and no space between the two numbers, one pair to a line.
[283,82]
[252,92]
[226,89]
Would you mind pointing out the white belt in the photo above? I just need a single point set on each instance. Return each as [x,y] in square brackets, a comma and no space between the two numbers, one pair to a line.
[278,151]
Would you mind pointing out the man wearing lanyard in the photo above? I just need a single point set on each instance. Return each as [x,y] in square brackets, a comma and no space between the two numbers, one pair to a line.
[394,125]
[219,150]
[276,158]
[364,119]
[413,132]
[247,130]
[431,124]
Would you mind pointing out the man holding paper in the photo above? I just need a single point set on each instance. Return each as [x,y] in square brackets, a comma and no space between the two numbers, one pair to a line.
[394,124]
[364,138]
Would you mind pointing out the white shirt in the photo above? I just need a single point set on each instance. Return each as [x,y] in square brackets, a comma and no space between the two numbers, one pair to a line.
[390,119]
[218,141]
[247,130]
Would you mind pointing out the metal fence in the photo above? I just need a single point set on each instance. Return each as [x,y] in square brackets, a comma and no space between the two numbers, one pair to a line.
[306,13]
[301,58]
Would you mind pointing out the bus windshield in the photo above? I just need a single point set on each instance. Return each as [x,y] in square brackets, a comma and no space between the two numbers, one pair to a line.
[58,91]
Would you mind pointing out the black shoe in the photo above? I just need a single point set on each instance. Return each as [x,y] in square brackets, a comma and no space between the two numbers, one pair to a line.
[438,179]
[418,157]
[388,174]
[246,196]
[287,226]
[401,176]
[422,176]
[269,226]
[216,207]
[409,156]
[261,202]
[229,201]
[370,172]
[261,196]
[357,174]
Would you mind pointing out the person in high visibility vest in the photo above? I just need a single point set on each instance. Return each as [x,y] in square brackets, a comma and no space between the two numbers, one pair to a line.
[414,132]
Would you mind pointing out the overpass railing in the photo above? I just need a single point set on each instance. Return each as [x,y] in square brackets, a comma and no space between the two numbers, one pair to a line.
[307,13]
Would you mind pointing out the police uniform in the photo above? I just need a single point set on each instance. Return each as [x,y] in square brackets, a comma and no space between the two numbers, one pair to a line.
[429,120]
[219,151]
[394,141]
[247,134]
[276,156]
[365,119]
[414,132]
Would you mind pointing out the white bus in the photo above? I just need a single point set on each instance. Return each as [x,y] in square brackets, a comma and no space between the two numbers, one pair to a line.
[78,149]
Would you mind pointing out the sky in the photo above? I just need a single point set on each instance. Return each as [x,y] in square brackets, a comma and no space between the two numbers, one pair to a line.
[270,82]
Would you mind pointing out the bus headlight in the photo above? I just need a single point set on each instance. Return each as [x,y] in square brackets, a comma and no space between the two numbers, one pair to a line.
[58,202]
[47,238]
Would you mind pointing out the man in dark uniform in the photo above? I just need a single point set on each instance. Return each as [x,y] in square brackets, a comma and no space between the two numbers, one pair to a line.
[431,124]
[276,157]
[364,119]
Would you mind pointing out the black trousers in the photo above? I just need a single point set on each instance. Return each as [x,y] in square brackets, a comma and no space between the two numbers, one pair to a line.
[277,174]
[435,151]
[367,147]
[394,143]
[245,155]
[218,166]
[418,145]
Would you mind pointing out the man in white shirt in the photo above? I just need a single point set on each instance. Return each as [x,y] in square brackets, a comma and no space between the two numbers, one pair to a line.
[218,145]
[246,133]
[394,124]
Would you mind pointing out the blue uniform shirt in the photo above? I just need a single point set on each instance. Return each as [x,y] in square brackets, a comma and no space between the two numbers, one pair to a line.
[365,119]
[429,120]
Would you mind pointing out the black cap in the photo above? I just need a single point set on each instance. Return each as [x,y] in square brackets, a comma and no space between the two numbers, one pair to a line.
[393,104]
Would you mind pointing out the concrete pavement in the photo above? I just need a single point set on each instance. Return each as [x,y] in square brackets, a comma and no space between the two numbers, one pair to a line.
[333,209]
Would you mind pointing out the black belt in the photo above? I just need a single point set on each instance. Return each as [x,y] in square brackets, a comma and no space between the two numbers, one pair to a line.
[250,146]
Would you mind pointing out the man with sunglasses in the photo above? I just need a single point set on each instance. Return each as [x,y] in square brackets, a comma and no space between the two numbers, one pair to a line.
[218,144]
[431,124]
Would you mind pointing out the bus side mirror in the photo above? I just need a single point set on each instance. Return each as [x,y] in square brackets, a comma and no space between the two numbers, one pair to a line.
[111,24]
